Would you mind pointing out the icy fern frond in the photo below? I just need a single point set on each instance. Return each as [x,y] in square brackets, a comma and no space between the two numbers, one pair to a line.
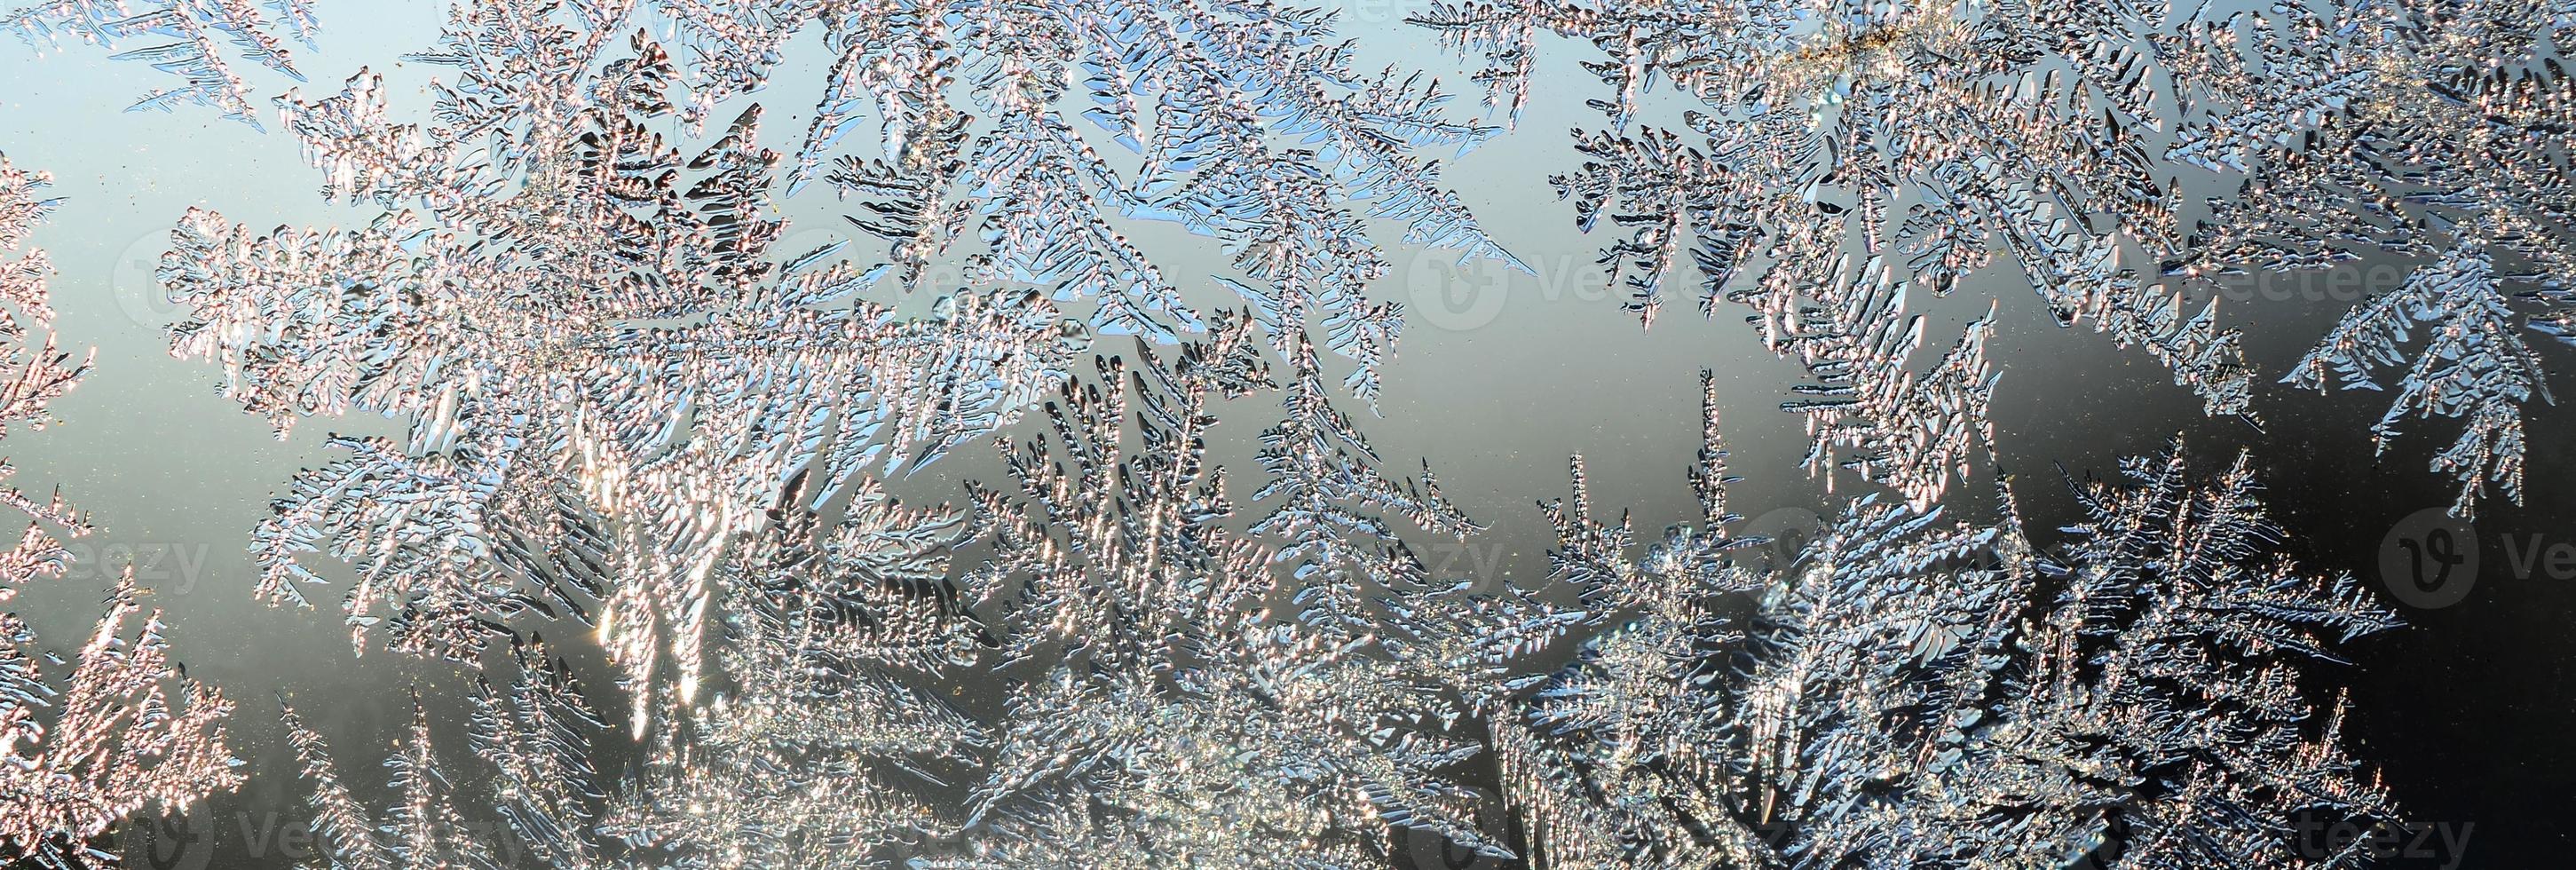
[2473,367]
[36,376]
[2171,608]
[2005,120]
[2427,131]
[607,372]
[1905,431]
[1088,508]
[1665,625]
[535,738]
[125,731]
[1165,767]
[22,277]
[343,828]
[1503,34]
[2056,139]
[809,752]
[1768,218]
[1907,693]
[1338,512]
[425,829]
[835,652]
[1156,646]
[624,405]
[201,41]
[1131,630]
[562,290]
[1025,140]
[113,741]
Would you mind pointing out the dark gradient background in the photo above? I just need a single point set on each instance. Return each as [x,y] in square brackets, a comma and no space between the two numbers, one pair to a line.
[1498,379]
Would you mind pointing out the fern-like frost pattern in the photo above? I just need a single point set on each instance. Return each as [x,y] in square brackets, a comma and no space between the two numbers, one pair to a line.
[2055,142]
[631,417]
[120,732]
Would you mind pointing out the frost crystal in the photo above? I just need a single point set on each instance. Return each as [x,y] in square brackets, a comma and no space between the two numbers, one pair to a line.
[2433,132]
[1902,693]
[2474,365]
[1121,617]
[628,408]
[111,738]
[531,735]
[1908,694]
[198,32]
[607,376]
[1932,137]
[1199,104]
[611,379]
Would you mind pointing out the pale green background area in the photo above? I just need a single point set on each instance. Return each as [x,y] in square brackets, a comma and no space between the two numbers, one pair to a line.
[1496,392]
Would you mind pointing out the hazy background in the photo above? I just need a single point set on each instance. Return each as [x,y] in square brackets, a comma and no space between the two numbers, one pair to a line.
[1497,380]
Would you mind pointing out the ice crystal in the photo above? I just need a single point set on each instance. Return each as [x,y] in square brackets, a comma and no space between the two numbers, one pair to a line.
[2474,365]
[531,735]
[119,740]
[610,376]
[2430,131]
[1923,138]
[36,376]
[122,732]
[1163,658]
[206,40]
[1122,621]
[1905,431]
[1907,693]
[607,375]
[1933,137]
[1244,122]
[1902,693]
[626,407]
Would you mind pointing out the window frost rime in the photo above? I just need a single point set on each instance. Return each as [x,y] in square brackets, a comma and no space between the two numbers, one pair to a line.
[1909,694]
[627,408]
[1931,137]
[611,380]
[208,40]
[1901,693]
[1115,605]
[121,732]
